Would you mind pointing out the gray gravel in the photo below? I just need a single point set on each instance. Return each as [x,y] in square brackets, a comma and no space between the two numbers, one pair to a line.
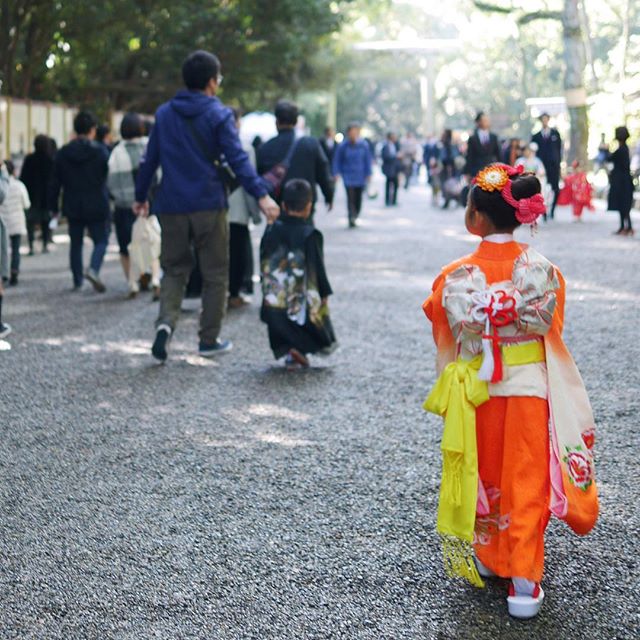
[228,499]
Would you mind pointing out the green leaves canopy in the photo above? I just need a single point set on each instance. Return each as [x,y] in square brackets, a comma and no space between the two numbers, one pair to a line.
[127,54]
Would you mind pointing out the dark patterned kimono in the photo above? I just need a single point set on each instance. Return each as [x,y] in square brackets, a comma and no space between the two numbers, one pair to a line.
[294,283]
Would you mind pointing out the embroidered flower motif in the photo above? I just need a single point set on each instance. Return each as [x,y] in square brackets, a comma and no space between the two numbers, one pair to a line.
[490,525]
[579,466]
[493,178]
[589,438]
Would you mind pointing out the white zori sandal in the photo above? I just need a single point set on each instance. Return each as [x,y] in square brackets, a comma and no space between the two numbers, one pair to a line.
[483,570]
[525,598]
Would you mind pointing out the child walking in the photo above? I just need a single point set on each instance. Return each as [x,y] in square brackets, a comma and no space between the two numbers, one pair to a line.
[13,214]
[518,428]
[295,286]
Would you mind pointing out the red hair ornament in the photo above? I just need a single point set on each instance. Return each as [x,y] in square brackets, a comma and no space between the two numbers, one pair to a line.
[497,177]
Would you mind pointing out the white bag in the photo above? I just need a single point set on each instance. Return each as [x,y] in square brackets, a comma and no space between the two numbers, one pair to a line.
[144,251]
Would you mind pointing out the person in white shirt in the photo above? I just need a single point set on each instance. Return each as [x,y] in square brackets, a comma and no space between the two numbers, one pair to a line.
[530,161]
[12,212]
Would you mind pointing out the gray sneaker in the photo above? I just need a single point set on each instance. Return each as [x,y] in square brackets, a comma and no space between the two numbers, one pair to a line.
[94,278]
[210,350]
[5,329]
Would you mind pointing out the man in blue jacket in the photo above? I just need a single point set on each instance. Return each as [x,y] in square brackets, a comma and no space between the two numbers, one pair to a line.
[352,161]
[193,131]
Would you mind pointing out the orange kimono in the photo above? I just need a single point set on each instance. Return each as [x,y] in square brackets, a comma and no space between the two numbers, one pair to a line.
[497,318]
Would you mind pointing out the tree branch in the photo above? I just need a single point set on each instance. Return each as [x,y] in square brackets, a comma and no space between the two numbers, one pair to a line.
[539,15]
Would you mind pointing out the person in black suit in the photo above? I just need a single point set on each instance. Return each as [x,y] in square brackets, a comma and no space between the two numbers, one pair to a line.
[483,146]
[550,152]
[328,143]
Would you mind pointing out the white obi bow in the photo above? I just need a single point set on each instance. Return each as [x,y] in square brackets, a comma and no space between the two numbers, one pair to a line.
[481,316]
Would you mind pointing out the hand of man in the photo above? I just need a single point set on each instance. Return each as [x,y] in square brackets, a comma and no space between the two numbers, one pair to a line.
[270,208]
[141,209]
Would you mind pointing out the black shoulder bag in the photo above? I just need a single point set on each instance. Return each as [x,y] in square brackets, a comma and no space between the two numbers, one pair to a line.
[225,172]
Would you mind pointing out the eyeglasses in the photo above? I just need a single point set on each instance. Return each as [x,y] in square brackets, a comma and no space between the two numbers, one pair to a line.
[219,79]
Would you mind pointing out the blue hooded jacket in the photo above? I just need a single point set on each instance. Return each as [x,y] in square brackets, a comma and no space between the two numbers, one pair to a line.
[189,181]
[353,162]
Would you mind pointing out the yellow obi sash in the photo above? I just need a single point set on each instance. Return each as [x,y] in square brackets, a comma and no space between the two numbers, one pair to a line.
[456,394]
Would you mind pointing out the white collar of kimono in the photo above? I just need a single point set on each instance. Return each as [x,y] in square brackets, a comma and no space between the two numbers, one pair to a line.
[499,238]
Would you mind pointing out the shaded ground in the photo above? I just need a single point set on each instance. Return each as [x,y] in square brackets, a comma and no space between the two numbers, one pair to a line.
[228,499]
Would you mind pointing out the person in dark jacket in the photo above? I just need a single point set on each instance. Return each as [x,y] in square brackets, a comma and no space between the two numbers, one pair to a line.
[352,162]
[328,143]
[621,183]
[449,175]
[391,166]
[483,146]
[36,174]
[550,152]
[307,162]
[194,137]
[80,170]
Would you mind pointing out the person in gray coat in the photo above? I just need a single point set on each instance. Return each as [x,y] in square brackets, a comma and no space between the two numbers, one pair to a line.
[243,208]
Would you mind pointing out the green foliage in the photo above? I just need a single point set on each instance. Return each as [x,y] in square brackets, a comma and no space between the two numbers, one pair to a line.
[126,54]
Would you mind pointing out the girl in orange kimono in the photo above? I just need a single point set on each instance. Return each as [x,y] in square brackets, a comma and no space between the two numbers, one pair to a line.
[518,435]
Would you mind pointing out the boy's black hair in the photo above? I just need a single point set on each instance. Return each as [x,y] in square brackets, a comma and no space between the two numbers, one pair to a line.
[479,116]
[622,134]
[286,112]
[297,195]
[353,125]
[493,205]
[132,126]
[199,67]
[84,122]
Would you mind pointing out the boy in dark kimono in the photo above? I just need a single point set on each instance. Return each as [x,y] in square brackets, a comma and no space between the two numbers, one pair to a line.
[295,286]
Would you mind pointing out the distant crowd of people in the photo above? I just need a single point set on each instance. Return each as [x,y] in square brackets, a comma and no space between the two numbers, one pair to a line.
[451,163]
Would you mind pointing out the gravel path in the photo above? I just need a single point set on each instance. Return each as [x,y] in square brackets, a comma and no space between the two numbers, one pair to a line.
[227,499]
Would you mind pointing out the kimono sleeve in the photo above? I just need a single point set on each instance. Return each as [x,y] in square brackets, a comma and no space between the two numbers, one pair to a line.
[315,258]
[442,336]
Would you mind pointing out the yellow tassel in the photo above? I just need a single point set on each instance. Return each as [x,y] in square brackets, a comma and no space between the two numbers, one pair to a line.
[458,560]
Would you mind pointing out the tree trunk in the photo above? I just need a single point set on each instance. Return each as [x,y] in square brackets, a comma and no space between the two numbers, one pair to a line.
[575,92]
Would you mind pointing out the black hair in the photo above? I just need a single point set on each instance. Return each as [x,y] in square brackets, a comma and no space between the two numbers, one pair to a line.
[545,115]
[390,135]
[199,67]
[102,131]
[447,136]
[84,122]
[286,112]
[41,144]
[353,125]
[132,126]
[622,134]
[10,167]
[493,205]
[297,195]
[479,116]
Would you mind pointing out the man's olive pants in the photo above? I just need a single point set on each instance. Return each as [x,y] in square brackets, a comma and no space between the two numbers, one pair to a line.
[208,233]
